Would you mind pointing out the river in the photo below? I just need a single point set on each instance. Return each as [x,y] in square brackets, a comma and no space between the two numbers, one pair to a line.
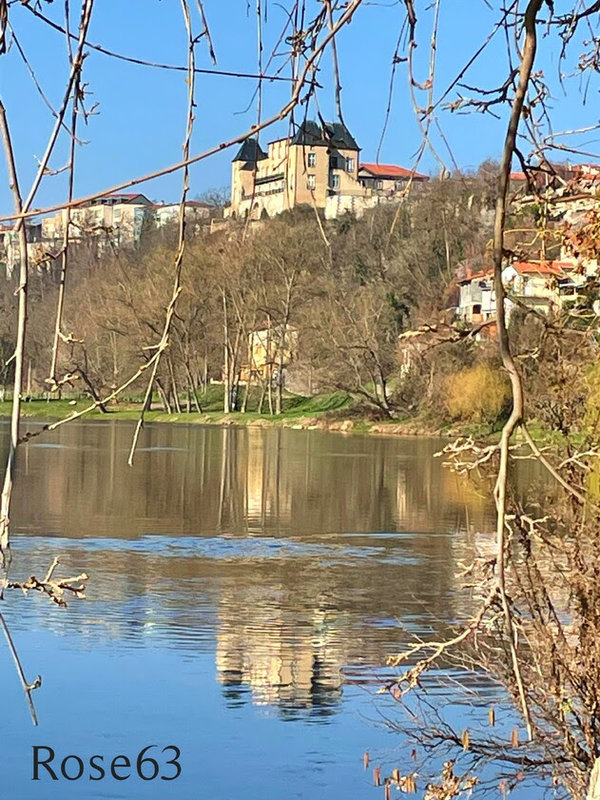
[246,587]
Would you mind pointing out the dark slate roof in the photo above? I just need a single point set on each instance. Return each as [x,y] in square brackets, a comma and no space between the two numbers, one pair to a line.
[340,136]
[329,134]
[250,151]
[309,133]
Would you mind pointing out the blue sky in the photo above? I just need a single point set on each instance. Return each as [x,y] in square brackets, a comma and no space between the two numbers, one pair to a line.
[140,124]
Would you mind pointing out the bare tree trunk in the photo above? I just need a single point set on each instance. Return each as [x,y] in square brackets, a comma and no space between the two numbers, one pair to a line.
[235,388]
[270,391]
[594,790]
[279,397]
[113,343]
[226,366]
[58,322]
[193,389]
[163,397]
[181,239]
[261,402]
[383,388]
[246,393]
[5,555]
[508,362]
[174,386]
[92,390]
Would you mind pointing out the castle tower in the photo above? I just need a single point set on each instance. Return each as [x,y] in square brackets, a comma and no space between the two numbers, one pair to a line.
[243,172]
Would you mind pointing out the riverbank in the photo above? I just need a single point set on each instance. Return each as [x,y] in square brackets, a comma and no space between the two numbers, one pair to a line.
[333,412]
[337,412]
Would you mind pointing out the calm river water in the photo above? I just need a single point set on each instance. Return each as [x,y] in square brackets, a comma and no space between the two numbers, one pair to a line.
[246,587]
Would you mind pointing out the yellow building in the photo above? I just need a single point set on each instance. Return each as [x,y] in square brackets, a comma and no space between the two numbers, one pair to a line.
[268,349]
[318,163]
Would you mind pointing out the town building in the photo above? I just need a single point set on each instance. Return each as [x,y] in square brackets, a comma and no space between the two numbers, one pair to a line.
[318,166]
[118,218]
[477,299]
[268,348]
[547,287]
[197,213]
[10,246]
[389,178]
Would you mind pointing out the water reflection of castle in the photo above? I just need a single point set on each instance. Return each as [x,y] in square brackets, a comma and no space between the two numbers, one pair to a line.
[284,665]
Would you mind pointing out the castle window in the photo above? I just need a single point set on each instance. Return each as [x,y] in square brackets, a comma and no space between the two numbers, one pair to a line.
[311,183]
[312,160]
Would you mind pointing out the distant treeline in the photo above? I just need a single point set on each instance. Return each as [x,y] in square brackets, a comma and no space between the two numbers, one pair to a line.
[347,287]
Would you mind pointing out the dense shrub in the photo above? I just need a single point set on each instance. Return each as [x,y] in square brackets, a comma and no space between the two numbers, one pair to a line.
[477,394]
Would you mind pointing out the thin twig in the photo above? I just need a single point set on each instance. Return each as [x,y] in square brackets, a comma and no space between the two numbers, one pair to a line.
[28,688]
[164,341]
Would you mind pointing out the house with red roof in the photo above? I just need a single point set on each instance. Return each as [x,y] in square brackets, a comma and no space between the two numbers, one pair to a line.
[537,284]
[389,178]
[544,286]
[477,299]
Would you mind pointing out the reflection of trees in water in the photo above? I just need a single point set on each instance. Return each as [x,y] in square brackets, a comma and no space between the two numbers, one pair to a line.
[238,481]
[289,624]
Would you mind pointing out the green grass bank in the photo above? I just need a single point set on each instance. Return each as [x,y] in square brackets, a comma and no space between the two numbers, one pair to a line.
[335,411]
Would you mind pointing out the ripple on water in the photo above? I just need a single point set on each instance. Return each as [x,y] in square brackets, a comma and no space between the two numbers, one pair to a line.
[217,547]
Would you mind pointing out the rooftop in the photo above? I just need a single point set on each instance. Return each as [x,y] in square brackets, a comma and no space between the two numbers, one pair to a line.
[188,204]
[392,171]
[328,134]
[546,268]
[135,198]
[541,267]
[250,151]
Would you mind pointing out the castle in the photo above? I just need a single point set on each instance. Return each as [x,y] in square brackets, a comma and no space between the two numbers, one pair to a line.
[317,166]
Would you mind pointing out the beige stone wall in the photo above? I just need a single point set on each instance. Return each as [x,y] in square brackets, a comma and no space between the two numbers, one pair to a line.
[51,225]
[338,204]
[278,156]
[299,177]
[241,183]
[300,170]
[348,178]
